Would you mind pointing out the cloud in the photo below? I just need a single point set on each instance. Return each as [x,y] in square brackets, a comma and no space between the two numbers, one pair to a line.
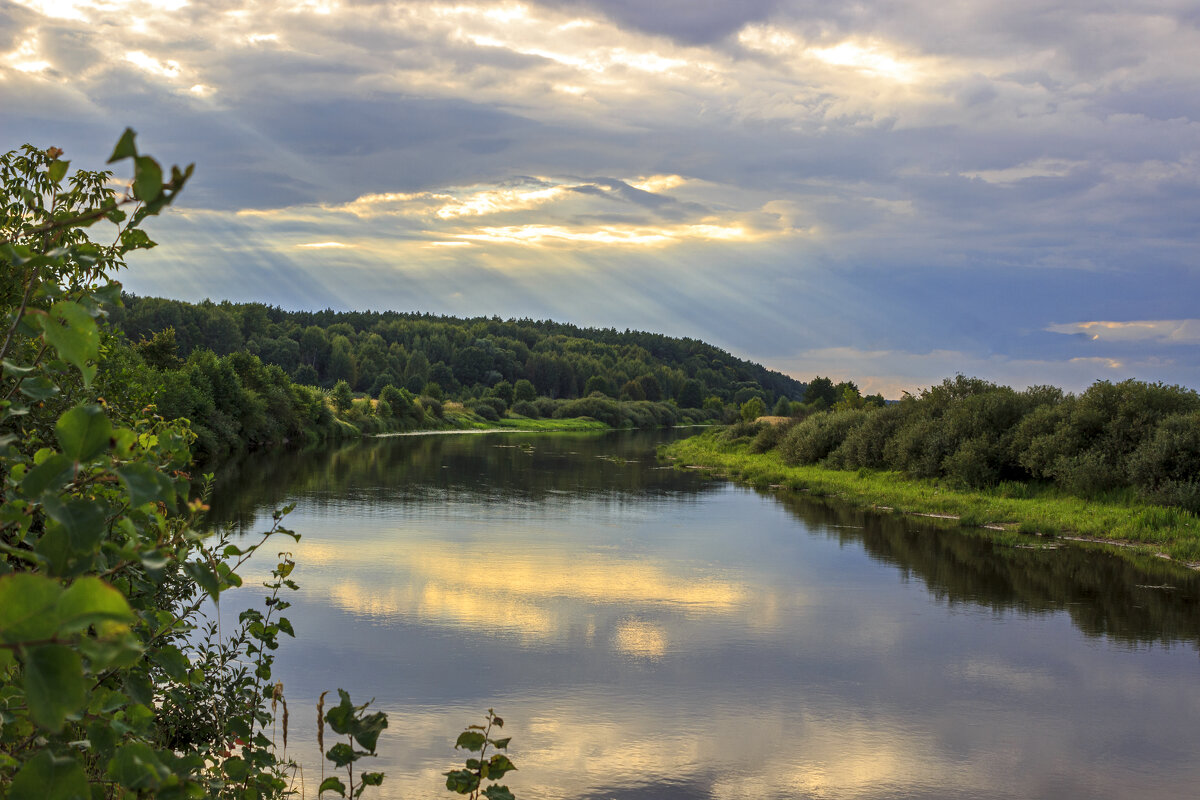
[837,170]
[1165,331]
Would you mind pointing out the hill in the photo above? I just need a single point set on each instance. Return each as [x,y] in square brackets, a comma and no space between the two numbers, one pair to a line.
[460,358]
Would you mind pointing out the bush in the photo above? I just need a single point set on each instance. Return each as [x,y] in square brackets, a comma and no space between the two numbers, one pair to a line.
[526,409]
[596,407]
[769,437]
[742,430]
[495,403]
[432,406]
[1171,492]
[810,441]
[486,411]
[1171,455]
[865,445]
[546,407]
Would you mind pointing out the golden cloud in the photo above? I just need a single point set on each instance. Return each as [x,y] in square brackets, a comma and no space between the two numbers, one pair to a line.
[1168,331]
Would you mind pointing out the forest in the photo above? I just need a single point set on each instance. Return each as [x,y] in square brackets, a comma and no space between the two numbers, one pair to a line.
[464,357]
[249,375]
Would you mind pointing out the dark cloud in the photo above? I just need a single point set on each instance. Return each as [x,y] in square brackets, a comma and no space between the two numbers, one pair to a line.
[691,21]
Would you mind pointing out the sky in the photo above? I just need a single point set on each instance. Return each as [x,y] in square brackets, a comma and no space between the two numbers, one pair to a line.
[887,192]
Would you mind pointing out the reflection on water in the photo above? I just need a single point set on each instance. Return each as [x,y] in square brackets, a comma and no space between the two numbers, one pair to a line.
[648,633]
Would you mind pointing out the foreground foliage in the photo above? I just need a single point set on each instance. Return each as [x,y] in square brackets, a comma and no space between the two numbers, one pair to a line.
[111,682]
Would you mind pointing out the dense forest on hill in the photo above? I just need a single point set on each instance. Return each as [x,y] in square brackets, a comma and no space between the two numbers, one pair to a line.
[462,357]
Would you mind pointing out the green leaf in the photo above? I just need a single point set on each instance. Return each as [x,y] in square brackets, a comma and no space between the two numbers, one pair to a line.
[108,295]
[136,766]
[367,729]
[498,793]
[498,765]
[342,754]
[147,178]
[204,576]
[146,485]
[54,548]
[172,661]
[139,687]
[501,743]
[332,785]
[236,768]
[462,781]
[83,521]
[14,370]
[90,601]
[84,432]
[372,778]
[50,777]
[71,331]
[58,170]
[27,604]
[54,685]
[341,717]
[103,738]
[49,476]
[471,740]
[136,239]
[125,147]
[39,388]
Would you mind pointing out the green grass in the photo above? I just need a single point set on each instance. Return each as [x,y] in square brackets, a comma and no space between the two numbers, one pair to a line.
[520,423]
[1031,509]
[461,419]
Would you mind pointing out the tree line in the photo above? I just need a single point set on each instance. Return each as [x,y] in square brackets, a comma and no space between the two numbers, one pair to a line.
[1129,437]
[461,358]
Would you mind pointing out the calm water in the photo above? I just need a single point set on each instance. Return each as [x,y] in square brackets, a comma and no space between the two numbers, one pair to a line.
[647,633]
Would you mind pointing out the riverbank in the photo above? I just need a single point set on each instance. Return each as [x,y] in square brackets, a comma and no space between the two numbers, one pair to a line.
[1167,532]
[511,425]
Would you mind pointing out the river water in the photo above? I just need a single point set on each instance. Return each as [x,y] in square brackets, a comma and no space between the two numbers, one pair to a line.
[652,633]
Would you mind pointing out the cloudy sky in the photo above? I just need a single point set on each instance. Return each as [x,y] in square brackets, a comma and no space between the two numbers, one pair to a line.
[891,192]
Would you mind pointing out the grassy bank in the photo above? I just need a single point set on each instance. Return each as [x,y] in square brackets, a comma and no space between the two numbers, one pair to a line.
[1025,508]
[517,423]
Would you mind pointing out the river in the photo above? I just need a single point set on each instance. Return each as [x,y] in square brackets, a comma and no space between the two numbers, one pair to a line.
[651,633]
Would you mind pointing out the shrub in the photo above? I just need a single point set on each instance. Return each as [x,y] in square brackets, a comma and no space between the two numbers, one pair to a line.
[526,409]
[433,406]
[1170,455]
[769,437]
[810,441]
[866,444]
[742,430]
[486,411]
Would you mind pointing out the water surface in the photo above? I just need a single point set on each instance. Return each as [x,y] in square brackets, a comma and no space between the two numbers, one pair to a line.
[649,633]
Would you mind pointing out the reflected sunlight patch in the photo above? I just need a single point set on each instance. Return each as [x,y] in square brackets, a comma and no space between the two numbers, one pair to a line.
[640,639]
[445,583]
